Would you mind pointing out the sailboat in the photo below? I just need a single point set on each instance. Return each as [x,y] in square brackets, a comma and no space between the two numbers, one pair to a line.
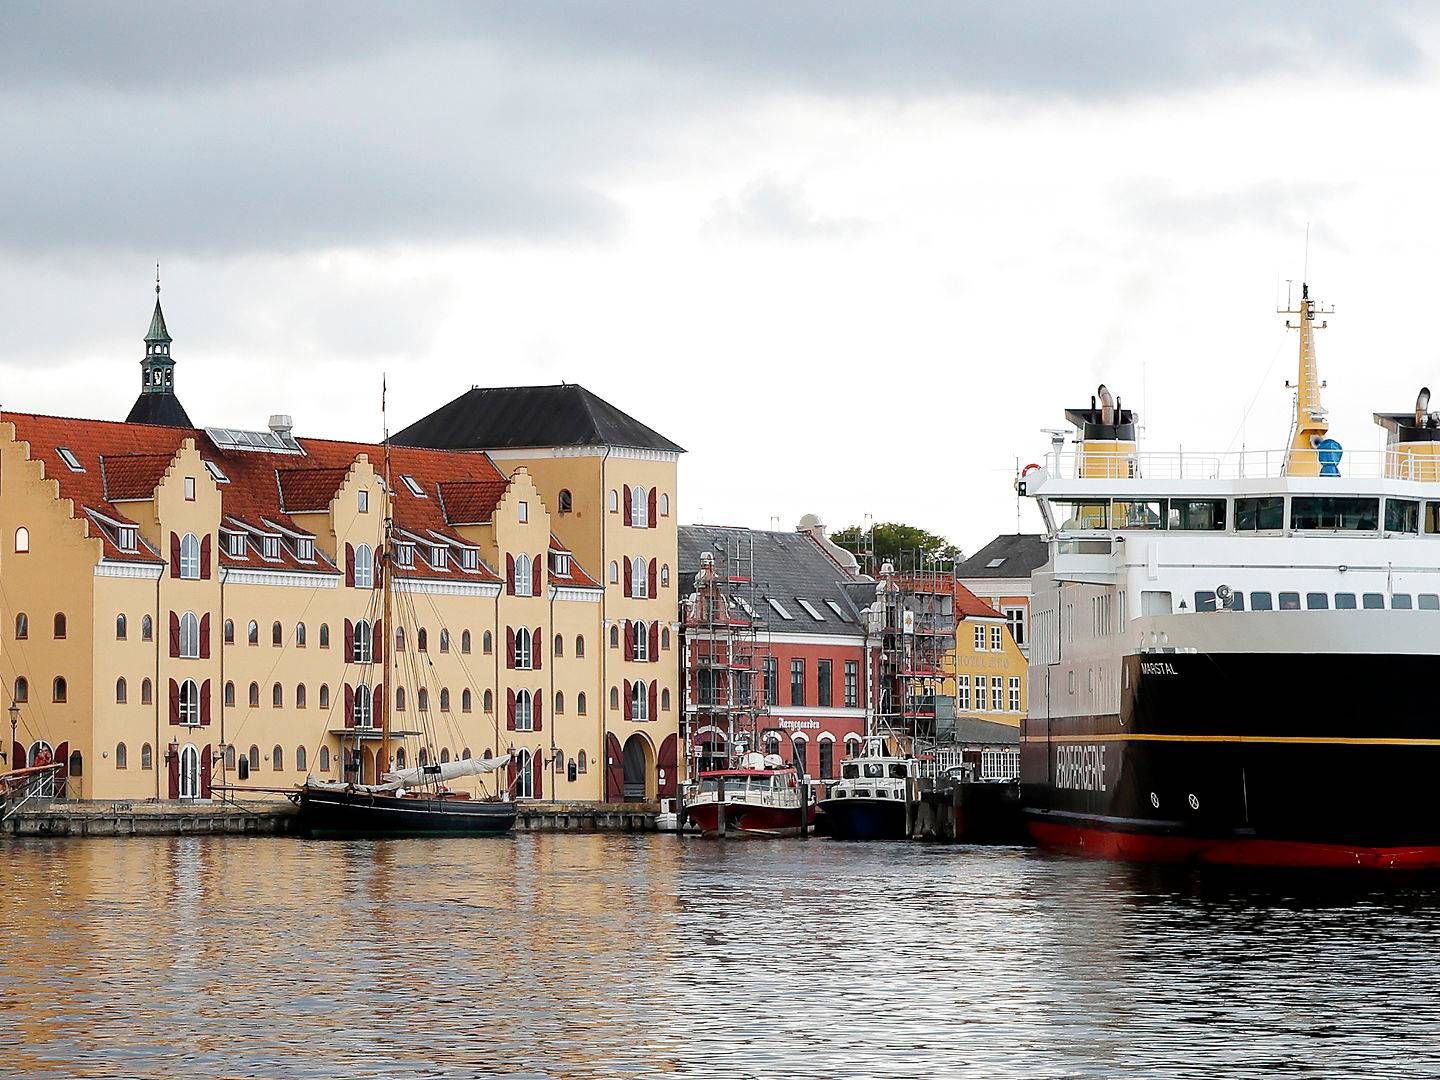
[415,801]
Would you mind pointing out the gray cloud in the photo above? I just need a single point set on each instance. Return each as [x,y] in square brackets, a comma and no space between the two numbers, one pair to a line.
[770,206]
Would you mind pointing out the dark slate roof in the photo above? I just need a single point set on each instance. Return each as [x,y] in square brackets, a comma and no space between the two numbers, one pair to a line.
[522,417]
[164,408]
[1024,553]
[970,730]
[788,566]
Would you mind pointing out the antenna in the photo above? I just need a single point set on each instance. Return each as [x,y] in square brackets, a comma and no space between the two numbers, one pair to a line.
[1306,275]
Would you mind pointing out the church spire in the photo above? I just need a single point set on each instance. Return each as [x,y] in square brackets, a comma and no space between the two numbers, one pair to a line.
[157,403]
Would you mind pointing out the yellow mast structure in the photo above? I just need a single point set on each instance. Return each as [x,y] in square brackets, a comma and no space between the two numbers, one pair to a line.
[1311,423]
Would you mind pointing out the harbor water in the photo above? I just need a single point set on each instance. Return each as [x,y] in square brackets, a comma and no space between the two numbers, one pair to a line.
[639,955]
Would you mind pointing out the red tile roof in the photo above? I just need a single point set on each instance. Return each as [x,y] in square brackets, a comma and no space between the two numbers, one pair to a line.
[970,606]
[470,502]
[130,476]
[310,490]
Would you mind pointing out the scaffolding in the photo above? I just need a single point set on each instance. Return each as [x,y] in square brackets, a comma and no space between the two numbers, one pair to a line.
[730,675]
[914,621]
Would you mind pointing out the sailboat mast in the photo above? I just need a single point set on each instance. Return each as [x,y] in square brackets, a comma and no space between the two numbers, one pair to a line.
[389,630]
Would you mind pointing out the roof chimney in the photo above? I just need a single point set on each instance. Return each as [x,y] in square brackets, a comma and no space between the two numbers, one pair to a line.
[281,424]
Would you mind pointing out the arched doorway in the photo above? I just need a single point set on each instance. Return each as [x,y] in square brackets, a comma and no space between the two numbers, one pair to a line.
[713,754]
[639,765]
[189,773]
[41,753]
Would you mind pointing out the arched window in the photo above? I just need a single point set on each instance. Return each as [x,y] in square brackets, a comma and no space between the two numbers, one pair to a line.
[229,632]
[324,696]
[639,700]
[487,642]
[522,582]
[613,502]
[229,693]
[580,703]
[189,636]
[465,642]
[614,572]
[558,649]
[522,649]
[579,646]
[59,624]
[363,644]
[364,567]
[277,633]
[277,759]
[22,540]
[422,699]
[121,627]
[400,639]
[300,635]
[664,637]
[664,505]
[299,759]
[147,757]
[147,629]
[59,690]
[22,626]
[252,633]
[300,696]
[467,700]
[665,574]
[190,556]
[277,696]
[615,637]
[489,701]
[665,699]
[324,759]
[580,763]
[487,755]
[465,754]
[559,703]
[122,756]
[324,635]
[614,697]
[444,755]
[145,692]
[120,692]
[566,501]
[639,510]
[189,702]
[422,640]
[423,758]
[524,775]
[639,579]
[444,640]
[230,758]
[362,706]
[444,699]
[254,695]
[21,693]
[641,634]
[254,758]
[400,757]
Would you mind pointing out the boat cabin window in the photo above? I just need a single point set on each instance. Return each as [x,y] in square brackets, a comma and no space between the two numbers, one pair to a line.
[1429,602]
[1138,513]
[1201,515]
[897,771]
[1373,601]
[1401,601]
[1237,602]
[1205,600]
[1289,601]
[849,771]
[1402,515]
[1343,512]
[1345,601]
[874,770]
[1262,601]
[1259,514]
[1317,601]
[1080,514]
[1432,518]
[1156,602]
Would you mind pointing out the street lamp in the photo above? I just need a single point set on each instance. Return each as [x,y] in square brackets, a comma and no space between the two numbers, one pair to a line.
[14,723]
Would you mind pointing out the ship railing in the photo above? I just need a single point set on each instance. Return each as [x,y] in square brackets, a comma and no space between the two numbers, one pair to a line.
[1089,463]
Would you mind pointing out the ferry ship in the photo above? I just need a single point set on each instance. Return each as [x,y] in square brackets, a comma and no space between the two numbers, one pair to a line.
[1232,655]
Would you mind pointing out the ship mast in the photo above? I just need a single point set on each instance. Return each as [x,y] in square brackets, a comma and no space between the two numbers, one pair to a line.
[1310,423]
[388,634]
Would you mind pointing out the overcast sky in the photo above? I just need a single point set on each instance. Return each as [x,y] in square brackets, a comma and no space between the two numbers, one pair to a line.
[854,257]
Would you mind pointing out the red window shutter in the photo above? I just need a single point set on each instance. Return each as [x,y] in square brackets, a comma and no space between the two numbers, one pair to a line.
[654,566]
[511,773]
[629,514]
[509,646]
[377,642]
[205,636]
[172,764]
[651,523]
[174,635]
[349,640]
[654,642]
[349,706]
[629,703]
[377,705]
[205,766]
[349,566]
[654,693]
[174,555]
[62,758]
[535,704]
[17,755]
[629,640]
[509,710]
[537,647]
[205,703]
[537,773]
[377,571]
[509,574]
[205,557]
[666,763]
[174,702]
[626,574]
[614,770]
[537,571]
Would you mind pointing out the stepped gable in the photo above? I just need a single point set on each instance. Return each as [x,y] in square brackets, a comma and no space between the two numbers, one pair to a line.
[531,417]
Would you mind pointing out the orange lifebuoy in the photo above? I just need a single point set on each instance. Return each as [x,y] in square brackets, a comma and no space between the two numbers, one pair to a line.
[1028,468]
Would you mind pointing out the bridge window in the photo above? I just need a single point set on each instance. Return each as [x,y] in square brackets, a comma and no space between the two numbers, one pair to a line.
[1259,514]
[1345,601]
[1317,601]
[1289,601]
[1198,515]
[1205,600]
[1429,601]
[1080,514]
[1138,513]
[1401,601]
[1372,601]
[1346,513]
[1402,515]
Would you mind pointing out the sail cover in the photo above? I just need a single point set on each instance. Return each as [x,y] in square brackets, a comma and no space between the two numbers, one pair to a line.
[450,770]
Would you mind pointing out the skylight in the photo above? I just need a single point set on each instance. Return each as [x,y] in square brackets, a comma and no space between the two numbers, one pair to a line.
[810,610]
[833,606]
[779,609]
[414,485]
[269,442]
[993,563]
[69,458]
[216,473]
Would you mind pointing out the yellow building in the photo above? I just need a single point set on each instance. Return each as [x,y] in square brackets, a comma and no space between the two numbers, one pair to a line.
[989,684]
[182,608]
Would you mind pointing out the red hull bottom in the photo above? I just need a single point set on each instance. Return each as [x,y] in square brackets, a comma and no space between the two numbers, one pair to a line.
[756,821]
[1236,851]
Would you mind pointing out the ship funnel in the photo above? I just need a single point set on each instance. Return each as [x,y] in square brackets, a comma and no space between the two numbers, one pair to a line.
[1422,405]
[1107,406]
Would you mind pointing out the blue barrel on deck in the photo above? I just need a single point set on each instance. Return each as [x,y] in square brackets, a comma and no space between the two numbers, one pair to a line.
[1329,452]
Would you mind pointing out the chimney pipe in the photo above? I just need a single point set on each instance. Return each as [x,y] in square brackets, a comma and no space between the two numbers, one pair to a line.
[1107,406]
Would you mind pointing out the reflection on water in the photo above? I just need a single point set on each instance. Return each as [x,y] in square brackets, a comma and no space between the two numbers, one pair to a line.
[638,955]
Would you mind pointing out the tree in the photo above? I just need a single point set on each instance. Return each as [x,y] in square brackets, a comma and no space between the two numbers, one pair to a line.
[892,538]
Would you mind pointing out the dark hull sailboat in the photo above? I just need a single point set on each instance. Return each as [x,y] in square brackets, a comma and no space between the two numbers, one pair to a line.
[357,811]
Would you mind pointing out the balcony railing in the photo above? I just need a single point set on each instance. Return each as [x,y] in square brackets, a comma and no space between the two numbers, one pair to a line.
[1402,464]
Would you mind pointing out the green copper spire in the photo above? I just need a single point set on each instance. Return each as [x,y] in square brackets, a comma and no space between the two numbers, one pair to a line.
[157,403]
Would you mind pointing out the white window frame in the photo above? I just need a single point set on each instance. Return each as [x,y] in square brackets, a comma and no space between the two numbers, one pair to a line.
[362,501]
[439,557]
[189,706]
[235,544]
[524,649]
[270,548]
[779,609]
[642,640]
[190,557]
[127,538]
[404,555]
[997,693]
[524,582]
[189,489]
[1014,693]
[362,642]
[979,638]
[524,774]
[413,485]
[189,636]
[68,457]
[363,708]
[364,567]
[639,578]
[833,606]
[524,711]
[523,511]
[962,693]
[810,609]
[216,473]
[305,549]
[997,639]
[1015,616]
[639,507]
[639,700]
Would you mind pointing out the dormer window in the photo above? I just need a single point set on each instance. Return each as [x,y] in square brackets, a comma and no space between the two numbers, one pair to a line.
[305,549]
[270,547]
[235,545]
[437,557]
[414,486]
[127,539]
[560,564]
[69,458]
[469,558]
[404,554]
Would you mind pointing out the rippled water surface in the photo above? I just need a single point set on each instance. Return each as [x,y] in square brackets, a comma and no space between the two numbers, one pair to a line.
[639,955]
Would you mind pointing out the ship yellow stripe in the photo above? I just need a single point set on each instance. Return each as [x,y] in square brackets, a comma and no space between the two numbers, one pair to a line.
[1310,740]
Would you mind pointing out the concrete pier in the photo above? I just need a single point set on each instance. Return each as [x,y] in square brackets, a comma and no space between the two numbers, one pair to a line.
[258,816]
[587,817]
